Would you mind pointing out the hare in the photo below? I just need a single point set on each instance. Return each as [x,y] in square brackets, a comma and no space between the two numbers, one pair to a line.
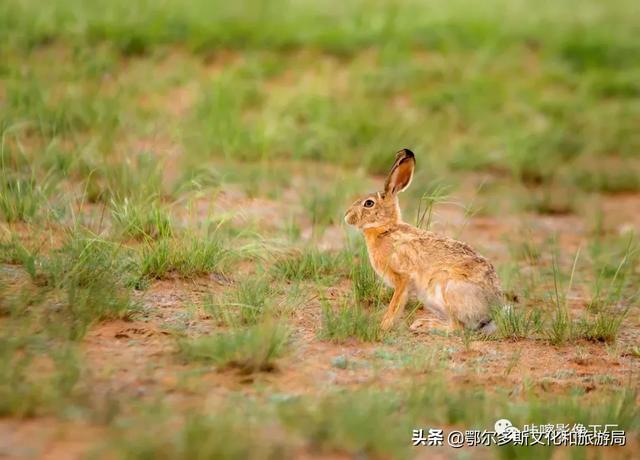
[447,276]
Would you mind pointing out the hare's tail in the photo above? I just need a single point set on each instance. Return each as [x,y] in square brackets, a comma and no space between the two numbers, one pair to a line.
[487,327]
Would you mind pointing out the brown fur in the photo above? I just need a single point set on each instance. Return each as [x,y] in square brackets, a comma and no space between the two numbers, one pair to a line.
[447,275]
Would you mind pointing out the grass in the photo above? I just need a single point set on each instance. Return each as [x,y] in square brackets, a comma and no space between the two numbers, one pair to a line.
[142,220]
[605,327]
[119,180]
[273,117]
[375,107]
[327,208]
[83,282]
[477,408]
[393,25]
[613,265]
[611,299]
[517,323]
[248,303]
[20,198]
[561,328]
[438,193]
[252,349]
[186,257]
[201,435]
[367,288]
[28,387]
[258,179]
[371,422]
[625,180]
[360,423]
[310,264]
[525,249]
[377,423]
[551,201]
[349,321]
[14,252]
[93,275]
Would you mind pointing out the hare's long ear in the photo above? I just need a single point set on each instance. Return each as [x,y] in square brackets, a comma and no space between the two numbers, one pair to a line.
[401,173]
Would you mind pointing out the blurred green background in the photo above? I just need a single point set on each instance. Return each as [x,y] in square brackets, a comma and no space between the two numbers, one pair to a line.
[535,91]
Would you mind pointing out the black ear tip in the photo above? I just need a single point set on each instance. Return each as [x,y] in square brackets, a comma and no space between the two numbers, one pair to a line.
[407,153]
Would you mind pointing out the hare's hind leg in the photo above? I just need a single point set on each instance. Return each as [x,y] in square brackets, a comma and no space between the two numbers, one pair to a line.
[468,303]
[432,298]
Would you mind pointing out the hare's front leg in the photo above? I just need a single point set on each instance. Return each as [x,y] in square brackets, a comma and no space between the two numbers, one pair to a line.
[397,304]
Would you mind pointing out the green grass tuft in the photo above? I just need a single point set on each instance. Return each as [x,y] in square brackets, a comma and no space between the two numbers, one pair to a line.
[247,304]
[116,181]
[186,257]
[252,349]
[92,276]
[141,220]
[20,198]
[14,252]
[199,436]
[29,390]
[561,328]
[605,327]
[349,322]
[368,290]
[310,264]
[517,323]
[363,423]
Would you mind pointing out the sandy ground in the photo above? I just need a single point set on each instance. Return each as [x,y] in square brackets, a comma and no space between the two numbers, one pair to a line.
[136,360]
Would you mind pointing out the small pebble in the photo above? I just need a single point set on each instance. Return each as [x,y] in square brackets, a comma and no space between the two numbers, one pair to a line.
[340,362]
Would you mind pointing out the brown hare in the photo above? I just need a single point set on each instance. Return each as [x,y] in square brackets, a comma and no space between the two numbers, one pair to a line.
[453,281]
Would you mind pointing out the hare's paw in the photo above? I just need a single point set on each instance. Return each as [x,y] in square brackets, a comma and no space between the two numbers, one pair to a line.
[427,325]
[387,322]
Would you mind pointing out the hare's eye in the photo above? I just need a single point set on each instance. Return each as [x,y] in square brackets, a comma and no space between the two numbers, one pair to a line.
[369,203]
